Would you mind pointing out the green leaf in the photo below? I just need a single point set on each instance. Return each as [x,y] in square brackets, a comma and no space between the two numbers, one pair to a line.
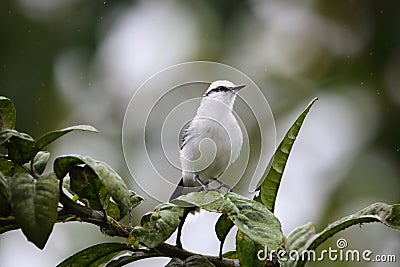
[54,135]
[230,255]
[252,218]
[19,145]
[222,228]
[111,181]
[197,261]
[87,186]
[299,236]
[94,255]
[155,227]
[9,168]
[135,200]
[7,113]
[8,227]
[34,204]
[389,215]
[247,251]
[40,161]
[174,262]
[273,175]
[5,194]
[132,257]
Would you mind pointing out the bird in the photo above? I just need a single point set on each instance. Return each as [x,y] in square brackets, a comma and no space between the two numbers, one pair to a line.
[211,141]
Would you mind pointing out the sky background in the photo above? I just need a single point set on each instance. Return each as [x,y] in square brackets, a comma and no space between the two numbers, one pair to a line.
[71,62]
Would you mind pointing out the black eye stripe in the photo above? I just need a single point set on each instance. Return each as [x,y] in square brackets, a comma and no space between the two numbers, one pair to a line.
[218,89]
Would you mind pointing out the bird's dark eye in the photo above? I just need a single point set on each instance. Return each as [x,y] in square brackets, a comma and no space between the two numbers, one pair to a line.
[218,89]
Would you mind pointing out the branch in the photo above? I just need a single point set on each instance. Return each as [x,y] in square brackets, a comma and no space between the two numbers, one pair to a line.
[175,252]
[113,228]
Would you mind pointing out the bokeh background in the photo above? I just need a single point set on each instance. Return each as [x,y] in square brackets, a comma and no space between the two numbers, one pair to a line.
[70,62]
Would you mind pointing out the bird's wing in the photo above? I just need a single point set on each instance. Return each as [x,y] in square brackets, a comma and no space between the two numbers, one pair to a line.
[183,135]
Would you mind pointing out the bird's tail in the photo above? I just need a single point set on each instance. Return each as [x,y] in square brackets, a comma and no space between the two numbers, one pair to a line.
[183,190]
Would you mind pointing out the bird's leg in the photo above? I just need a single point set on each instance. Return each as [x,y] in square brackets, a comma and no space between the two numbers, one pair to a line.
[221,184]
[205,187]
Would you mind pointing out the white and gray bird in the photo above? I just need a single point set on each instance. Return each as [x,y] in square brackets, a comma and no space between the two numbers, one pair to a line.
[211,141]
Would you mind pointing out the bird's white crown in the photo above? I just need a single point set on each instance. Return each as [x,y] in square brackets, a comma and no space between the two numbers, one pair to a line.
[219,83]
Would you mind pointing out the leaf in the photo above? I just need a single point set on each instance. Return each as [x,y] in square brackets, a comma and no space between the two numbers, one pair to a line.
[87,186]
[230,255]
[197,261]
[299,236]
[54,135]
[273,175]
[252,218]
[5,194]
[112,182]
[132,257]
[40,161]
[8,227]
[94,255]
[389,215]
[135,200]
[7,113]
[222,228]
[34,205]
[247,251]
[9,168]
[174,262]
[155,227]
[19,145]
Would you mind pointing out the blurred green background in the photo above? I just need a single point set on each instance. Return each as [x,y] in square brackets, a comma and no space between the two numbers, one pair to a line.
[66,62]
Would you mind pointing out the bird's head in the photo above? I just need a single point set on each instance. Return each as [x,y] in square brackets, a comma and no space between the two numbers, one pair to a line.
[219,95]
[223,87]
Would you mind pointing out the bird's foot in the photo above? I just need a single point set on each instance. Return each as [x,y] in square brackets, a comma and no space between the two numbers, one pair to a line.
[221,184]
[203,185]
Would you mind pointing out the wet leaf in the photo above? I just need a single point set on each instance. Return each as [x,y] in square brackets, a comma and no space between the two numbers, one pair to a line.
[272,178]
[54,135]
[94,255]
[112,182]
[34,204]
[222,228]
[251,217]
[40,161]
[389,215]
[247,251]
[88,187]
[19,145]
[197,261]
[7,113]
[132,257]
[157,226]
[5,194]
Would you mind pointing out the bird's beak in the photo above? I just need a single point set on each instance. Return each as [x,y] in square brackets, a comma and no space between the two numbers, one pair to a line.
[238,87]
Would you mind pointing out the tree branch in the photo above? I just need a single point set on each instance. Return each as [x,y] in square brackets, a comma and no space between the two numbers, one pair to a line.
[113,228]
